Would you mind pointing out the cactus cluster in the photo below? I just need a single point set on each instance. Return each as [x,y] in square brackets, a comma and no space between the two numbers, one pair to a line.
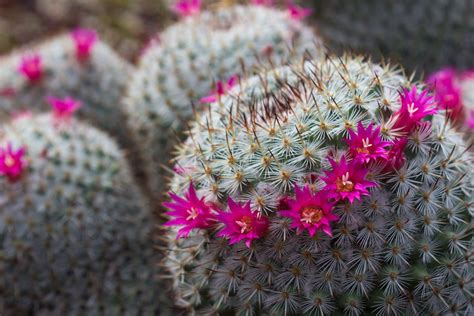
[77,65]
[330,186]
[198,53]
[423,35]
[75,232]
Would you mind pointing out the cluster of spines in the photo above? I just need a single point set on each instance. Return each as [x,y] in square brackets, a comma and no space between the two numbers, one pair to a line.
[163,90]
[403,238]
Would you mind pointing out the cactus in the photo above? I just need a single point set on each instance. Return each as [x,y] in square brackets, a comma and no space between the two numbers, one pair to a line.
[75,65]
[422,35]
[180,69]
[74,229]
[328,187]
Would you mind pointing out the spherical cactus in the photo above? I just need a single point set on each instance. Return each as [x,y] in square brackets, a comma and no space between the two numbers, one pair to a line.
[76,65]
[423,35]
[74,229]
[329,187]
[189,58]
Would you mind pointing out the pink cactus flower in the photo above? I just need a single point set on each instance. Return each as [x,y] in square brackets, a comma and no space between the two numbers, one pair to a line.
[414,108]
[187,7]
[347,180]
[447,90]
[310,211]
[63,109]
[265,3]
[470,120]
[242,224]
[31,67]
[221,89]
[298,13]
[84,39]
[189,213]
[366,145]
[396,154]
[12,162]
[8,92]
[17,116]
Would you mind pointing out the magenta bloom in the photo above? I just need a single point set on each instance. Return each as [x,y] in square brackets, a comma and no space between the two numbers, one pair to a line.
[221,89]
[187,7]
[414,108]
[347,180]
[396,154]
[310,211]
[298,13]
[63,109]
[7,92]
[242,224]
[367,144]
[12,163]
[31,67]
[84,39]
[470,120]
[265,3]
[190,213]
[447,90]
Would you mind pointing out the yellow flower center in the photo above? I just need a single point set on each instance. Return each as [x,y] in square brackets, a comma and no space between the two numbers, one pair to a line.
[9,161]
[245,224]
[193,213]
[311,215]
[343,184]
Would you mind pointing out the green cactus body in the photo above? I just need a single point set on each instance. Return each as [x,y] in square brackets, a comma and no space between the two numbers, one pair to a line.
[74,229]
[97,81]
[422,35]
[191,56]
[405,248]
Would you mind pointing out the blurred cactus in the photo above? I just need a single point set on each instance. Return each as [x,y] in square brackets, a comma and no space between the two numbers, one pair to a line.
[179,69]
[126,24]
[74,229]
[76,65]
[423,35]
[327,187]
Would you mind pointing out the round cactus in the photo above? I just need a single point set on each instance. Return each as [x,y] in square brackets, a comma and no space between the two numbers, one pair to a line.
[329,187]
[203,50]
[74,229]
[75,65]
[423,35]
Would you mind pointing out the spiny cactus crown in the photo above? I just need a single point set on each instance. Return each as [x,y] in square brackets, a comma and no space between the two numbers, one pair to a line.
[191,57]
[75,65]
[331,187]
[74,229]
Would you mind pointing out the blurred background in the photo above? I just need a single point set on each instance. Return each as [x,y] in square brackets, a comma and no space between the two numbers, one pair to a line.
[422,35]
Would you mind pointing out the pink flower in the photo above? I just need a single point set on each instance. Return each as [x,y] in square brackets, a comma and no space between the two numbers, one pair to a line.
[17,116]
[310,211]
[265,3]
[8,92]
[31,67]
[190,213]
[84,39]
[447,90]
[470,120]
[347,180]
[414,108]
[242,224]
[187,7]
[367,144]
[396,154]
[12,163]
[298,13]
[63,109]
[221,89]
